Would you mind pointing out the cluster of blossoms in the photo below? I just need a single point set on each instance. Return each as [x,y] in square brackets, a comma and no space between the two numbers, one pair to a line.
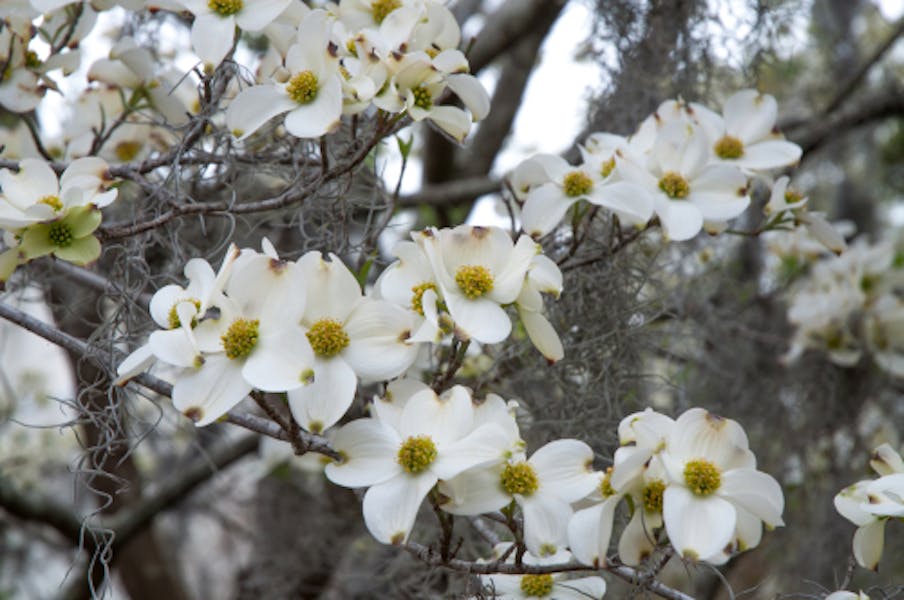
[687,165]
[305,327]
[869,504]
[850,305]
[350,58]
[41,215]
[694,476]
[399,57]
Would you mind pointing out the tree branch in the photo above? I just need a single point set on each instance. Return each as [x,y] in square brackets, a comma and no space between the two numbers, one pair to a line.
[629,574]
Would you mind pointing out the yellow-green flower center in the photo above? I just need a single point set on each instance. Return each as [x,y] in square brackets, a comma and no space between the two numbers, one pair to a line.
[52,201]
[652,496]
[729,147]
[173,316]
[302,87]
[606,488]
[327,337]
[60,235]
[474,280]
[607,167]
[417,453]
[674,185]
[31,60]
[241,338]
[422,97]
[519,478]
[577,183]
[127,150]
[225,8]
[792,196]
[536,586]
[702,477]
[381,8]
[417,297]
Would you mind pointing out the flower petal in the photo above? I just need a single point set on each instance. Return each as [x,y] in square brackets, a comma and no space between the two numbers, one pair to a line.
[564,468]
[206,394]
[370,451]
[390,508]
[319,405]
[321,116]
[546,519]
[589,532]
[698,528]
[255,106]
[756,492]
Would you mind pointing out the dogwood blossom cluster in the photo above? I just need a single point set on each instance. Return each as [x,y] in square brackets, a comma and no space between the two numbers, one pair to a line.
[305,327]
[871,503]
[690,482]
[348,58]
[41,214]
[694,477]
[850,306]
[687,165]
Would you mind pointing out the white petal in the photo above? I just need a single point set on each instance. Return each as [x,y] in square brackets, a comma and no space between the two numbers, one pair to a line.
[589,532]
[485,445]
[378,349]
[756,492]
[390,508]
[697,527]
[255,106]
[257,16]
[481,319]
[869,541]
[544,209]
[452,121]
[135,363]
[542,335]
[280,362]
[546,519]
[564,468]
[749,115]
[582,588]
[207,393]
[749,530]
[174,347]
[445,418]
[370,449]
[319,405]
[769,154]
[320,116]
[509,278]
[333,292]
[638,538]
[472,93]
[474,492]
[680,220]
[34,181]
[630,201]
[212,37]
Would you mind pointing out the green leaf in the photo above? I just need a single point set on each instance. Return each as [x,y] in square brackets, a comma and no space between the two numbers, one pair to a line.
[405,147]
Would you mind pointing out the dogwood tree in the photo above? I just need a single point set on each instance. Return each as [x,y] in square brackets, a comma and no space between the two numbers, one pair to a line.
[293,377]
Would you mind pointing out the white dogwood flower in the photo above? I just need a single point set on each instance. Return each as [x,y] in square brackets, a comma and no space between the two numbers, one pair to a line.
[311,93]
[868,505]
[351,335]
[435,437]
[478,269]
[714,495]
